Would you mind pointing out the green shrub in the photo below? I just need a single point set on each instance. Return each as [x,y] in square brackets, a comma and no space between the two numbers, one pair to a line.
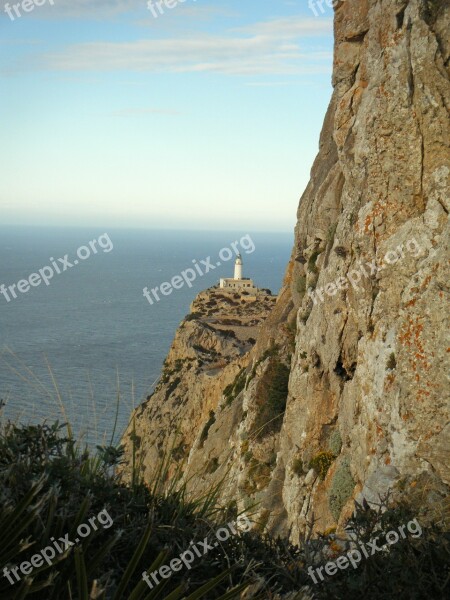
[341,489]
[321,463]
[414,568]
[49,485]
[335,442]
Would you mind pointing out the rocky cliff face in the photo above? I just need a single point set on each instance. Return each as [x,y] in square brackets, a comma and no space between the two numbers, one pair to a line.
[345,391]
[203,372]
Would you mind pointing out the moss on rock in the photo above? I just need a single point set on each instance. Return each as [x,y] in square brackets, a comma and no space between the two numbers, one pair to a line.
[341,488]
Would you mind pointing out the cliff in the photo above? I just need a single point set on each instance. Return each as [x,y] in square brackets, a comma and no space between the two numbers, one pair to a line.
[344,394]
[210,351]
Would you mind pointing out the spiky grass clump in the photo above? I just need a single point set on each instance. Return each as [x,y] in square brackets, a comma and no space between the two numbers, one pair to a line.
[49,486]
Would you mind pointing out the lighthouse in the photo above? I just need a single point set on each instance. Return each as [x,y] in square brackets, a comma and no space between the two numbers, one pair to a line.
[238,283]
[238,268]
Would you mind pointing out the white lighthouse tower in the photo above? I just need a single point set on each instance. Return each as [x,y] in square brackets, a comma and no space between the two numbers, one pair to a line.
[238,268]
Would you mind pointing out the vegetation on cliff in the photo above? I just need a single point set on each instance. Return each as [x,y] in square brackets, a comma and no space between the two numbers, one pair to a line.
[49,486]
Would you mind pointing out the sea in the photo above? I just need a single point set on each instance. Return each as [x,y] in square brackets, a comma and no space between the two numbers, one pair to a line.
[88,347]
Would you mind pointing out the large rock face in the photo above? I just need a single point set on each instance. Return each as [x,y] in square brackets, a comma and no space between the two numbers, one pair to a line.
[362,320]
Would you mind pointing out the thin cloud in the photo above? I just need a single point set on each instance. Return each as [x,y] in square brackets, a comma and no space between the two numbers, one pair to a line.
[289,27]
[126,112]
[193,11]
[262,48]
[82,9]
[270,83]
[109,9]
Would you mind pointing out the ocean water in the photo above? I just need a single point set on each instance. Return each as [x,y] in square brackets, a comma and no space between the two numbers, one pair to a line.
[90,337]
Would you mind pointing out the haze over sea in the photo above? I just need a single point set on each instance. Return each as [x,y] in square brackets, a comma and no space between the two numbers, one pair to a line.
[92,324]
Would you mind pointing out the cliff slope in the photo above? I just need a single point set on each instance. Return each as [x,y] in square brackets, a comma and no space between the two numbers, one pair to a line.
[345,391]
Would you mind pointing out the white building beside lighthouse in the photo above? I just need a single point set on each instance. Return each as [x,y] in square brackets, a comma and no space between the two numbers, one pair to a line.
[238,283]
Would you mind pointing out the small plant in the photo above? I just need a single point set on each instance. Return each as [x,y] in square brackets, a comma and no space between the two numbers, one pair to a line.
[335,442]
[391,362]
[321,463]
[301,284]
[341,489]
[297,466]
[312,261]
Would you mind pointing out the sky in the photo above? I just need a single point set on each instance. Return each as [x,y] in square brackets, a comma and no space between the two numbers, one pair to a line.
[199,116]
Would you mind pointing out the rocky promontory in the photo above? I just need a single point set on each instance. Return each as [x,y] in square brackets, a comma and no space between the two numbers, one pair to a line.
[210,350]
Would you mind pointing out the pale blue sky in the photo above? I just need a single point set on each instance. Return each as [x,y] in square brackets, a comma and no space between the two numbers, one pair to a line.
[205,117]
